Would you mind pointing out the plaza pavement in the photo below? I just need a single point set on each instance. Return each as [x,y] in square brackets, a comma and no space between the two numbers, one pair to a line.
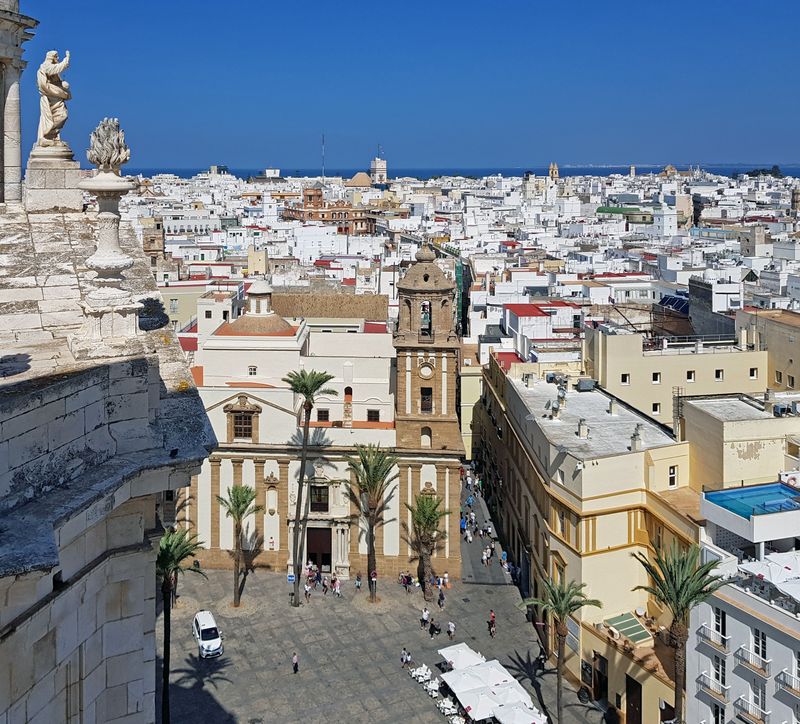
[349,649]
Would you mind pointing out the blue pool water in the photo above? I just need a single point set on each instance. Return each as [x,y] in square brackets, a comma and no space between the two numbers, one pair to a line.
[757,499]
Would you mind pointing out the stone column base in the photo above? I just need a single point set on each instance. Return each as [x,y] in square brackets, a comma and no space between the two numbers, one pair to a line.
[51,180]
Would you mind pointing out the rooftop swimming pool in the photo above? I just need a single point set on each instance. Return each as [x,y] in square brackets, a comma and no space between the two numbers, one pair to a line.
[757,499]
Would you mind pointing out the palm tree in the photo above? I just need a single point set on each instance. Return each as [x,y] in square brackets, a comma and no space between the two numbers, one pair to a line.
[679,582]
[425,536]
[372,470]
[561,600]
[239,504]
[174,550]
[307,384]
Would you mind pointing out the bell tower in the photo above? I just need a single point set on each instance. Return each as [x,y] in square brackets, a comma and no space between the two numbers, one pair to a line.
[427,347]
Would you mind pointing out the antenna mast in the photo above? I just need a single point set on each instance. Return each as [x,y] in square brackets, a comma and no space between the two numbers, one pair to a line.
[323,157]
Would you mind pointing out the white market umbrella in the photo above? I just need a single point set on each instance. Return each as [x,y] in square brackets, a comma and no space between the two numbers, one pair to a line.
[493,673]
[463,680]
[768,570]
[478,703]
[518,714]
[460,656]
[512,693]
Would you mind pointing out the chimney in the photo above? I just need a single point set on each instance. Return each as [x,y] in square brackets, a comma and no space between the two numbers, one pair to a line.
[612,406]
[555,408]
[769,401]
[583,428]
[636,438]
[743,338]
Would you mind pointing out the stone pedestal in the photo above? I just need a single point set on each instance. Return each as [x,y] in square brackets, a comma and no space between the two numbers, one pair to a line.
[51,180]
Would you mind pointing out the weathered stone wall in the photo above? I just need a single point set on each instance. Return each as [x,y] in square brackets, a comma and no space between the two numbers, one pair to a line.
[52,430]
[86,652]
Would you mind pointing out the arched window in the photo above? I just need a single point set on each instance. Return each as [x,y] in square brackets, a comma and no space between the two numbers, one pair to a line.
[348,394]
[425,319]
[425,437]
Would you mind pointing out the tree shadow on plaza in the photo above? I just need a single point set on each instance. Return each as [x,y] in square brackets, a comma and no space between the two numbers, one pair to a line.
[190,694]
[523,666]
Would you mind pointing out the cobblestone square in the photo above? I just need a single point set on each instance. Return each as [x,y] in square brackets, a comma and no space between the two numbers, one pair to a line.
[349,650]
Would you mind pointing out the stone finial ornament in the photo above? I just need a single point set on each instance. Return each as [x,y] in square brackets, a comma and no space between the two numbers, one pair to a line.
[107,148]
[111,314]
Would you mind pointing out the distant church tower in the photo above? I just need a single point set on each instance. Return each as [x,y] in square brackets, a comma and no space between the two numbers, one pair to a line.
[427,358]
[377,170]
[553,173]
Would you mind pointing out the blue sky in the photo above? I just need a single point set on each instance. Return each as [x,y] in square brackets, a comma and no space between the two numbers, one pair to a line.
[437,84]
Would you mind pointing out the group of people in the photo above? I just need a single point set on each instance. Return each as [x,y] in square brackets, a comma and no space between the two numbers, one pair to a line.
[315,579]
[426,621]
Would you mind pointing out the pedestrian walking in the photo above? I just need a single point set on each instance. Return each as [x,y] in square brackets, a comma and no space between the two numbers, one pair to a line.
[358,581]
[424,618]
[295,662]
[307,589]
[337,588]
[469,536]
[408,660]
[441,600]
[325,585]
[403,655]
[483,557]
[317,577]
[451,630]
[433,629]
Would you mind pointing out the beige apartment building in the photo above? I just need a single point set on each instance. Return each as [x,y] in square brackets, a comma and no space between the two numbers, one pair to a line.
[579,481]
[648,372]
[778,332]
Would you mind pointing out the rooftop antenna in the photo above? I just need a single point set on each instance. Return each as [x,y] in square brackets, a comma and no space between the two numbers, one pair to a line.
[323,158]
[380,151]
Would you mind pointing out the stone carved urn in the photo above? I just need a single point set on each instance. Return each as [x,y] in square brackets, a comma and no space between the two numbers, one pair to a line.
[108,152]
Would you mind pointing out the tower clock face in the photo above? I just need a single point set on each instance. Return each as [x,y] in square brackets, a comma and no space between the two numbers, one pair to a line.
[426,371]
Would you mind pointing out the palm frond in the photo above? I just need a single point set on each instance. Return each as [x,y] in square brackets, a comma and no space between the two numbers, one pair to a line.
[240,503]
[308,384]
[562,599]
[678,580]
[174,551]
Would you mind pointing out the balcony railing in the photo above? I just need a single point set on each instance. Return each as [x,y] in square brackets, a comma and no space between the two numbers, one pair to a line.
[750,712]
[714,688]
[715,638]
[752,661]
[788,683]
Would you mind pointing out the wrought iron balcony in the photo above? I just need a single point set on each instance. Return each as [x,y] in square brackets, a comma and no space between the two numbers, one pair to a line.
[714,688]
[715,638]
[752,661]
[788,683]
[750,712]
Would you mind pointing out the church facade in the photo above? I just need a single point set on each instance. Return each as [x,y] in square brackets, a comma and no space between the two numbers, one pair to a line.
[394,389]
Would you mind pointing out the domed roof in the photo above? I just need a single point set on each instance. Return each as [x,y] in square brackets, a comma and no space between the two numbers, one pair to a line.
[259,286]
[425,253]
[425,274]
[359,180]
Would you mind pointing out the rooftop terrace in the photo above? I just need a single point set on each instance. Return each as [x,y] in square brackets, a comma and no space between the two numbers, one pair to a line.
[608,433]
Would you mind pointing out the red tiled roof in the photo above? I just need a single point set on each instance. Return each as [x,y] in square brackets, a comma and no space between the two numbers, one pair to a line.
[506,359]
[526,310]
[375,327]
[197,375]
[349,282]
[188,344]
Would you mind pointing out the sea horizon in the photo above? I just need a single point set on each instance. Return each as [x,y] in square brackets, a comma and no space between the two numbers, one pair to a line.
[722,169]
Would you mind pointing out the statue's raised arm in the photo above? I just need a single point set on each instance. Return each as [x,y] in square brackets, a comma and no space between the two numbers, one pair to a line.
[54,92]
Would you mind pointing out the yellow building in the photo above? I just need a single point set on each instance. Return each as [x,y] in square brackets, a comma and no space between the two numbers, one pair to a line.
[777,331]
[579,481]
[470,377]
[647,372]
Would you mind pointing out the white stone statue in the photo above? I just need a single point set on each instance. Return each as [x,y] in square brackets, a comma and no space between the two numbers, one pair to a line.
[54,92]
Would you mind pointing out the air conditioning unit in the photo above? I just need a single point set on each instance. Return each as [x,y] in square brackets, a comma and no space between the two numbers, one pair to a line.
[467,362]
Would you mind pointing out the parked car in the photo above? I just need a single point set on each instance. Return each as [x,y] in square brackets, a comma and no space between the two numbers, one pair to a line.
[207,635]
